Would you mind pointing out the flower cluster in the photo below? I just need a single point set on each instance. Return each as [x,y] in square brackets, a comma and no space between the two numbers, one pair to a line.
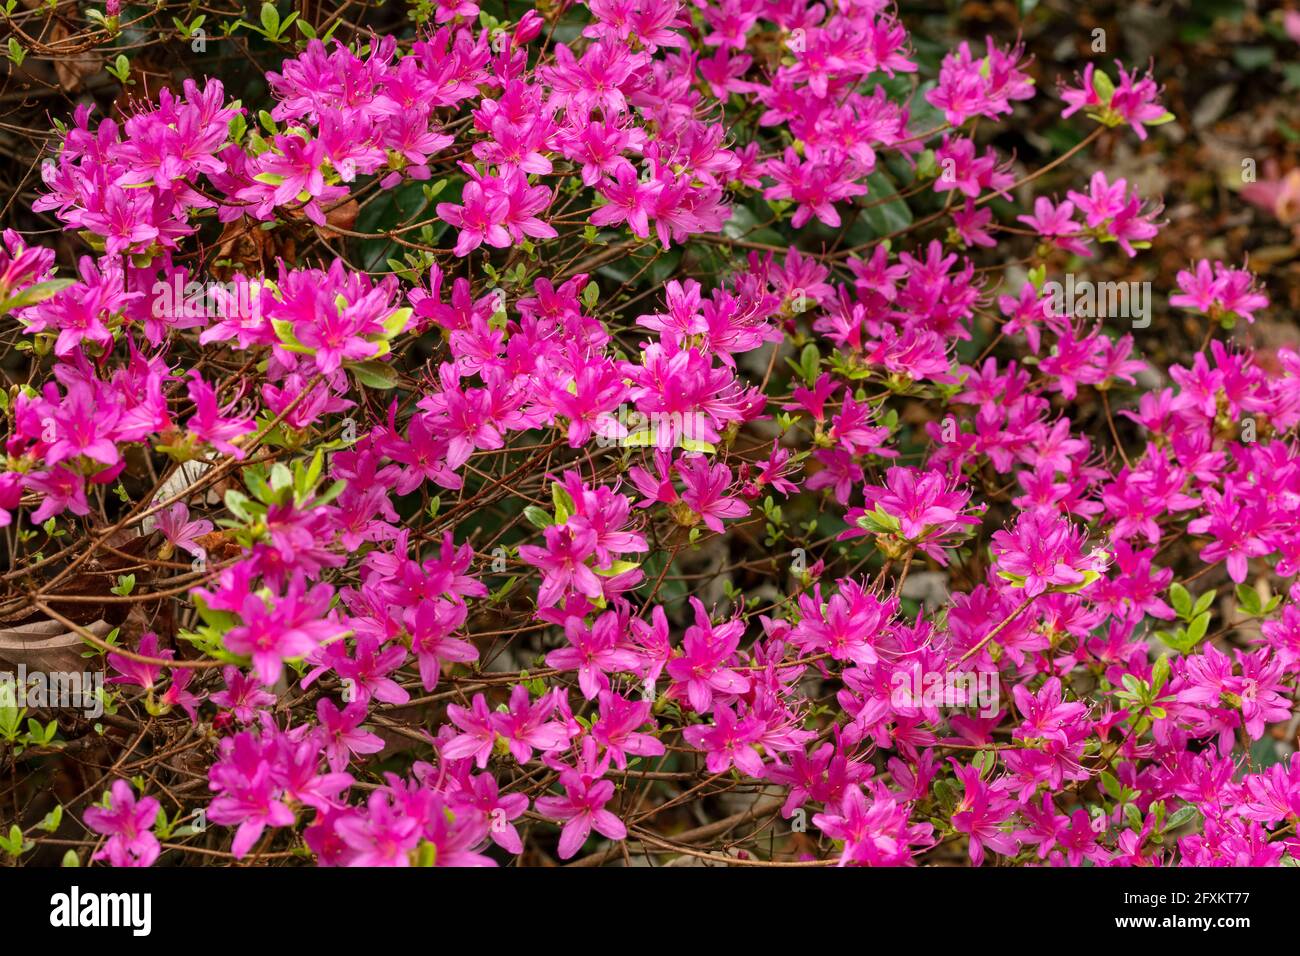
[632,453]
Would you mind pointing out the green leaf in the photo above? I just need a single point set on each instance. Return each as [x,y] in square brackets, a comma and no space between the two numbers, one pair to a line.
[1181,600]
[1204,601]
[947,793]
[884,214]
[237,503]
[333,491]
[537,517]
[14,844]
[373,374]
[563,502]
[52,819]
[33,294]
[1104,86]
[396,323]
[281,477]
[1249,600]
[1088,578]
[810,363]
[254,478]
[270,18]
[288,339]
[1175,639]
[1160,673]
[500,593]
[1181,816]
[1112,785]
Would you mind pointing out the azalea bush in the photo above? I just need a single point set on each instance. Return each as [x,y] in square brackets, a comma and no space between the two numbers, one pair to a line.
[634,432]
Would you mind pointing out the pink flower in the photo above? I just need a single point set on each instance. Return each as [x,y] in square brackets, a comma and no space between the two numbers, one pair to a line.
[451,9]
[729,741]
[126,822]
[582,808]
[878,833]
[478,732]
[847,627]
[291,627]
[1222,700]
[1044,551]
[124,217]
[431,625]
[926,509]
[980,86]
[344,735]
[629,200]
[209,423]
[705,491]
[526,726]
[563,563]
[595,652]
[1219,291]
[484,796]
[243,695]
[981,813]
[382,836]
[174,525]
[702,669]
[1135,100]
[1056,221]
[1234,535]
[248,796]
[140,673]
[63,490]
[814,187]
[480,217]
[617,729]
